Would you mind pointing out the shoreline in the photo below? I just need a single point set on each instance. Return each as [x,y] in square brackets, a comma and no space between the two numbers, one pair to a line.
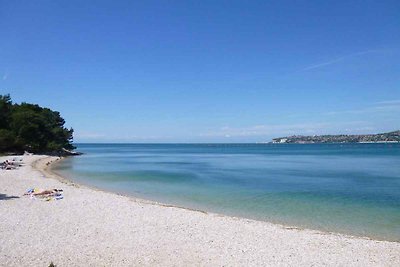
[47,170]
[94,227]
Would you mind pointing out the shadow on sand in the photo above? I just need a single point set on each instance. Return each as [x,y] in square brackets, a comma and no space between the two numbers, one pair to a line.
[5,197]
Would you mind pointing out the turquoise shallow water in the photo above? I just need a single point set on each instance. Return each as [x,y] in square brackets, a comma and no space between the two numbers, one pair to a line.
[347,188]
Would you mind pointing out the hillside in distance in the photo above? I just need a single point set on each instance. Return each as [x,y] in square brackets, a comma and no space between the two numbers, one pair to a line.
[391,137]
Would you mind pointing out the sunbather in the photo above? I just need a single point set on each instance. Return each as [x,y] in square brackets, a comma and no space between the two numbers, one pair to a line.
[49,192]
[8,165]
[47,195]
[44,192]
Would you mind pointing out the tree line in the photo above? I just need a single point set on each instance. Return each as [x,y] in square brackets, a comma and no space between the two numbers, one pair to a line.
[29,127]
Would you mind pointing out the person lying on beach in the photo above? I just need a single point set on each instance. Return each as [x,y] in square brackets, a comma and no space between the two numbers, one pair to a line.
[47,192]
[8,165]
[9,162]
[46,195]
[4,163]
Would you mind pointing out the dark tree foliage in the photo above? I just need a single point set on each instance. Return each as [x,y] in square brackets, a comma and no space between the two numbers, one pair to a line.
[29,127]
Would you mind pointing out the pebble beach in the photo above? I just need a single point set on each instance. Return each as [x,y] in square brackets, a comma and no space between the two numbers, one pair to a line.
[96,228]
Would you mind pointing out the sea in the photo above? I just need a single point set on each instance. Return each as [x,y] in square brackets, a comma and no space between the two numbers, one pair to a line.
[344,188]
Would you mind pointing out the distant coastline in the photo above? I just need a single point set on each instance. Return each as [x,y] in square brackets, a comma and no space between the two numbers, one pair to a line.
[390,137]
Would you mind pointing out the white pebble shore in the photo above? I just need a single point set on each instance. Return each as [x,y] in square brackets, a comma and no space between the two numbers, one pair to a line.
[95,228]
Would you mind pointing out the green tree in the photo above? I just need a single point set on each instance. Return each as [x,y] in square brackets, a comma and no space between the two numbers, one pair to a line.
[33,128]
[7,140]
[5,111]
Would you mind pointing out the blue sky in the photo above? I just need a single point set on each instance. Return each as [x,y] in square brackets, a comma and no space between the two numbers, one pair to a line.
[205,71]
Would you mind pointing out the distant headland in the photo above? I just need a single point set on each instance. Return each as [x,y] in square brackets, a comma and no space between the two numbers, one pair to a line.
[391,137]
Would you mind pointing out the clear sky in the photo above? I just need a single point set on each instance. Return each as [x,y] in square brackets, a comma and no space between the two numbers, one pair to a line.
[205,71]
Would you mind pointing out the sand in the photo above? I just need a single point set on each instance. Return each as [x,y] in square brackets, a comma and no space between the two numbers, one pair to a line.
[95,228]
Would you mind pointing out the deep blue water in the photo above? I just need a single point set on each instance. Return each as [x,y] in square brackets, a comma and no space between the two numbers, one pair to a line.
[347,188]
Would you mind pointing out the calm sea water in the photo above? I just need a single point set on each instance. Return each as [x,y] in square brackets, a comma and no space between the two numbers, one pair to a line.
[347,188]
